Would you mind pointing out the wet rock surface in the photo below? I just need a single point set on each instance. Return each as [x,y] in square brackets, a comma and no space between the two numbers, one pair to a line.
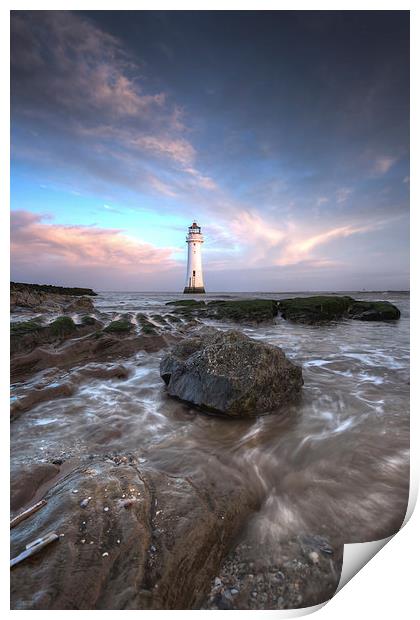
[239,311]
[373,311]
[49,299]
[229,373]
[96,346]
[130,537]
[305,572]
[312,310]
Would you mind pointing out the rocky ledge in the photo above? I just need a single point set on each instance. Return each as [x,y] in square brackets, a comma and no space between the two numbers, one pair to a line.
[315,309]
[48,298]
[229,373]
[128,535]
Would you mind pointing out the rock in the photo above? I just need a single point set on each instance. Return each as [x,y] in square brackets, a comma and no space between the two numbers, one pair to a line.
[89,320]
[306,578]
[96,347]
[186,303]
[324,308]
[26,335]
[62,326]
[310,310]
[39,395]
[238,310]
[314,309]
[188,539]
[23,287]
[243,310]
[25,481]
[80,304]
[121,326]
[40,298]
[229,373]
[147,327]
[374,311]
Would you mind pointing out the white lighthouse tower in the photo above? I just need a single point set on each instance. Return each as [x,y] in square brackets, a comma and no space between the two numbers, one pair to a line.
[194,281]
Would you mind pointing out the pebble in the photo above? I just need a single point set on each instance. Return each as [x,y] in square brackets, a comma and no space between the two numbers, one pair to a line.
[118,541]
[84,502]
[314,557]
[234,591]
[106,509]
[217,582]
[105,555]
[75,491]
[83,541]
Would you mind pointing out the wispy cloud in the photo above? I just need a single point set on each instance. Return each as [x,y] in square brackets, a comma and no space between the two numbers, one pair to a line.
[343,194]
[82,246]
[93,90]
[300,248]
[383,164]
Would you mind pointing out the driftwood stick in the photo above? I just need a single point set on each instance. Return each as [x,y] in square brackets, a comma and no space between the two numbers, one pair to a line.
[27,513]
[33,547]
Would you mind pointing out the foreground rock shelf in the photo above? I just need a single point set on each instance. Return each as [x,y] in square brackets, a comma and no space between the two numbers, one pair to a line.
[310,310]
[130,537]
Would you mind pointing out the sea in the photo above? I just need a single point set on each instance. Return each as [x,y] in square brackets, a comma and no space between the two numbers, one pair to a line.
[335,463]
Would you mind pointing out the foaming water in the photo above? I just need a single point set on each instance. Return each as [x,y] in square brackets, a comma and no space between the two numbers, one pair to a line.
[334,463]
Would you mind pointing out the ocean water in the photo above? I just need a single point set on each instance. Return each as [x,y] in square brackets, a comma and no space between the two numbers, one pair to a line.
[336,463]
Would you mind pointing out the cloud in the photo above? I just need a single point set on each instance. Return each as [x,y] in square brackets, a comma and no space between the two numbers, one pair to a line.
[79,84]
[251,227]
[300,249]
[177,149]
[343,194]
[383,164]
[61,58]
[82,247]
[321,201]
[266,243]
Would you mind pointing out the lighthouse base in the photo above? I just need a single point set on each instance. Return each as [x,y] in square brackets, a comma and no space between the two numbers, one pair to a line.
[194,290]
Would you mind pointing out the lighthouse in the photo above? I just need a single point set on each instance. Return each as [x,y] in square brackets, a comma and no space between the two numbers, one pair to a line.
[194,281]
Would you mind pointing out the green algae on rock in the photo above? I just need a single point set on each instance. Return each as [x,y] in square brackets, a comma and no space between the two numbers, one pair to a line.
[374,311]
[120,326]
[243,310]
[24,327]
[62,326]
[314,309]
[49,288]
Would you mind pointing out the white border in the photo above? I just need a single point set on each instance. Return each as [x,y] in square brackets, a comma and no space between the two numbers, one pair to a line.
[386,586]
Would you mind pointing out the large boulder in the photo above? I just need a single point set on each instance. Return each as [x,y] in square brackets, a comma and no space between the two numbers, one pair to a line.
[230,373]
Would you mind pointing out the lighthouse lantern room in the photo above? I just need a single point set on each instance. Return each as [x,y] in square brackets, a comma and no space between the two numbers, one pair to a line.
[194,281]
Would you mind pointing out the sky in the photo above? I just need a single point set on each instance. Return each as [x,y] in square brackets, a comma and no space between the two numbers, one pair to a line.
[285,135]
